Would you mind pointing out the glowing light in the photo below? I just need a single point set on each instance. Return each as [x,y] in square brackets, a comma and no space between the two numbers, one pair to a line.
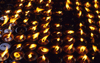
[94,48]
[6,20]
[39,9]
[5,52]
[44,50]
[70,57]
[46,30]
[44,38]
[82,48]
[30,55]
[21,37]
[16,54]
[32,46]
[84,57]
[35,35]
[43,58]
[18,45]
[70,47]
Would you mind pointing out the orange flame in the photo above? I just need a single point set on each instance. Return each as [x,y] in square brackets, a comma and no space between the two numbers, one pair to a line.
[58,39]
[82,48]
[87,4]
[77,8]
[70,57]
[43,57]
[90,16]
[87,9]
[94,48]
[44,50]
[6,20]
[57,25]
[90,20]
[21,37]
[80,24]
[45,25]
[80,13]
[9,35]
[5,52]
[18,11]
[34,22]
[81,39]
[8,11]
[30,55]
[16,54]
[48,18]
[35,35]
[56,47]
[25,20]
[70,47]
[96,6]
[20,4]
[58,32]
[92,34]
[46,30]
[18,45]
[39,9]
[70,32]
[32,46]
[49,11]
[41,1]
[70,39]
[59,12]
[44,38]
[77,3]
[92,28]
[67,6]
[34,27]
[13,20]
[84,57]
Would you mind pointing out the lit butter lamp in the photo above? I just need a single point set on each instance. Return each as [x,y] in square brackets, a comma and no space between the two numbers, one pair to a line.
[4,55]
[55,49]
[57,41]
[42,59]
[42,50]
[82,50]
[7,11]
[17,55]
[30,56]
[17,47]
[69,59]
[30,46]
[45,32]
[18,11]
[25,21]
[56,34]
[83,59]
[7,37]
[33,37]
[69,39]
[69,32]
[44,40]
[38,11]
[69,49]
[20,38]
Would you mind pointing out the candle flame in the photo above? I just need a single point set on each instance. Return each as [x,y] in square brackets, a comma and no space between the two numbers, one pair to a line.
[6,20]
[25,20]
[70,32]
[5,52]
[30,55]
[70,39]
[56,47]
[80,13]
[87,4]
[39,9]
[8,11]
[49,11]
[70,57]
[68,1]
[47,4]
[8,36]
[81,31]
[16,54]
[48,18]
[82,48]
[92,34]
[77,8]
[94,48]
[41,1]
[18,45]
[45,25]
[90,16]
[21,37]
[12,20]
[35,35]
[90,20]
[84,57]
[81,39]
[67,6]
[43,57]
[87,9]
[80,24]
[34,22]
[77,3]
[14,62]
[58,39]
[92,28]
[95,1]
[34,27]
[58,32]
[32,46]
[44,38]
[96,6]
[18,11]
[16,15]
[44,50]
[57,25]
[46,30]
[70,47]
[97,11]
[59,12]
[9,27]
[20,4]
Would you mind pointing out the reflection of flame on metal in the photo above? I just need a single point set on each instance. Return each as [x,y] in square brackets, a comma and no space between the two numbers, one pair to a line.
[30,55]
[82,48]
[35,35]
[18,45]
[32,46]
[84,58]
[43,57]
[94,48]
[44,38]
[5,52]
[70,47]
[70,57]
[16,55]
[44,50]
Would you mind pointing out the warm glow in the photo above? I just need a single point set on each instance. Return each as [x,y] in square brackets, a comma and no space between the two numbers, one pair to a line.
[20,4]
[18,45]
[16,15]
[70,57]
[90,16]
[94,48]
[43,57]
[44,50]
[22,0]
[99,16]
[48,18]
[48,11]
[13,20]
[57,25]
[92,58]
[14,62]
[5,52]
[29,4]
[97,11]
[26,13]
[9,27]
[56,47]
[30,55]
[41,1]
[82,48]
[70,47]
[77,3]
[58,32]
[34,28]
[80,24]
[68,1]
[77,8]
[6,20]
[45,25]
[16,54]
[67,6]
[32,46]
[44,38]
[18,11]
[90,20]
[95,1]
[81,39]
[21,37]
[92,34]
[87,4]
[70,39]
[81,31]
[8,11]
[46,30]
[35,35]
[59,12]
[25,20]
[39,9]
[96,6]
[47,4]
[87,9]
[58,39]
[84,57]
[92,28]
[49,1]
[80,13]
[8,36]
[70,32]
[34,22]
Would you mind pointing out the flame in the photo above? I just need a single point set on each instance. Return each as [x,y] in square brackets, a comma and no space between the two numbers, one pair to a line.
[43,57]
[77,3]
[29,4]
[87,9]
[20,4]
[84,57]
[70,32]
[48,18]
[96,6]
[95,1]
[25,20]
[92,34]
[14,62]
[67,6]
[59,12]
[90,16]
[18,11]
[41,1]
[44,50]
[30,55]
[58,32]
[94,48]
[49,11]
[26,13]
[34,27]
[8,36]
[18,45]
[5,52]
[34,22]
[45,25]
[44,38]
[68,1]
[21,37]
[80,13]
[98,16]
[39,9]
[47,4]
[70,39]
[92,28]
[8,11]
[82,48]
[58,39]
[16,54]
[32,46]
[80,24]
[22,0]
[46,30]
[16,15]
[87,4]
[90,20]
[6,20]
[70,47]
[70,57]
[93,58]
[77,8]
[9,27]
[56,47]
[97,11]
[57,25]
[81,39]
[35,35]
[81,31]
[13,20]
[49,1]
